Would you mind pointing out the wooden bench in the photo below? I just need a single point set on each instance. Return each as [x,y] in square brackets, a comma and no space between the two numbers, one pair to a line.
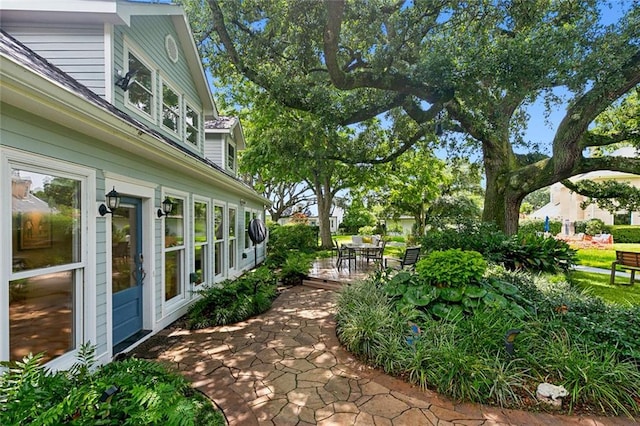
[627,260]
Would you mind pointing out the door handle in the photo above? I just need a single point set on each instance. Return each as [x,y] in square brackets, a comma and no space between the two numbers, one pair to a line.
[140,273]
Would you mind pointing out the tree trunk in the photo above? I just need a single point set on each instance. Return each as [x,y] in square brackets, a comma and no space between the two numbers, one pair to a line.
[324,219]
[501,204]
[324,197]
[275,215]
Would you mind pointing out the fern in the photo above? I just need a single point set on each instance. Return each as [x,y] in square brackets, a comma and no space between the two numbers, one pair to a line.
[147,394]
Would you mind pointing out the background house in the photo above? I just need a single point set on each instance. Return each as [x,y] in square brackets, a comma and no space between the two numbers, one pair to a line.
[99,96]
[565,204]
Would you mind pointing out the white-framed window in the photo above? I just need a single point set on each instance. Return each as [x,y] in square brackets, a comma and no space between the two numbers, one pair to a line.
[201,241]
[141,94]
[232,237]
[231,156]
[44,293]
[175,249]
[171,108]
[247,220]
[249,215]
[219,236]
[191,125]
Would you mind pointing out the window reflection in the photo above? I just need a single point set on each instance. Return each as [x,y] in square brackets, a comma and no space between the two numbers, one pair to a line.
[45,233]
[41,315]
[45,220]
[174,249]
[201,244]
[218,214]
[172,274]
[141,91]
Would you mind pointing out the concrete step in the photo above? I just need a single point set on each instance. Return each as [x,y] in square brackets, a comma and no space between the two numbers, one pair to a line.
[322,283]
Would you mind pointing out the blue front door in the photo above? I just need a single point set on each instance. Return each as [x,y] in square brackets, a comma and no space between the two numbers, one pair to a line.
[127,269]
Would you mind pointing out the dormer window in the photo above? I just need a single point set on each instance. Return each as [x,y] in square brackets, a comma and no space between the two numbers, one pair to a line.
[162,101]
[140,93]
[192,125]
[231,157]
[170,108]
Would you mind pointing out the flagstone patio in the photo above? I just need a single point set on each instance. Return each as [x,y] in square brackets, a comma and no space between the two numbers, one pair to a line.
[286,367]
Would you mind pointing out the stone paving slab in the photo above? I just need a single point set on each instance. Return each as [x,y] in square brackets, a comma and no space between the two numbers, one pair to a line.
[286,367]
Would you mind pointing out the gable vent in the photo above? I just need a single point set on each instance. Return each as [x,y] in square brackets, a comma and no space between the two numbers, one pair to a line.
[171,47]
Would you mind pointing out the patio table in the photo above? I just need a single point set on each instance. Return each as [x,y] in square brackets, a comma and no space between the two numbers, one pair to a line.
[362,249]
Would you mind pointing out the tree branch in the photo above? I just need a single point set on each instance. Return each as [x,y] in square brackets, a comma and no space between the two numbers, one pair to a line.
[590,139]
[363,79]
[567,145]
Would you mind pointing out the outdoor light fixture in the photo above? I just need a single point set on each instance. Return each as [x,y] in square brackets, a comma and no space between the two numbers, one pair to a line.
[167,206]
[124,82]
[113,202]
[509,338]
[107,394]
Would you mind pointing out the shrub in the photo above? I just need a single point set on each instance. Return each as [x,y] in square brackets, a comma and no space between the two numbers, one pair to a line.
[295,268]
[589,320]
[594,226]
[524,251]
[145,393]
[539,254]
[282,239]
[367,230]
[531,227]
[452,268]
[233,301]
[626,234]
[484,238]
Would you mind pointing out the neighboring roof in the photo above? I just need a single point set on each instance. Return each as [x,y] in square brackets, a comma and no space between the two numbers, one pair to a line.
[227,125]
[29,203]
[551,210]
[17,52]
[221,123]
[118,13]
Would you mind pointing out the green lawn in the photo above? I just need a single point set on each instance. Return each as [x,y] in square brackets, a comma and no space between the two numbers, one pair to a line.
[598,285]
[602,258]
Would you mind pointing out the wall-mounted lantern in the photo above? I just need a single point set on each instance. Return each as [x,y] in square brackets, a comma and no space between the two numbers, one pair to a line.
[167,206]
[113,202]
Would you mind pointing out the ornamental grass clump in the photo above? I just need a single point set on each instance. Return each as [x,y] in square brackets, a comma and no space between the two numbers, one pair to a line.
[566,338]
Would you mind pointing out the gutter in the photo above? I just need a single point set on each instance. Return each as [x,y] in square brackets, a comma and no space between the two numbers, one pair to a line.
[29,91]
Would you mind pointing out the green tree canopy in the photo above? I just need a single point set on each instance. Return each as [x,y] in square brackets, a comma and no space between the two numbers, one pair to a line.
[474,66]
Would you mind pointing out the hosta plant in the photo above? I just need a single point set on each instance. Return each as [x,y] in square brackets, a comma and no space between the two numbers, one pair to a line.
[412,293]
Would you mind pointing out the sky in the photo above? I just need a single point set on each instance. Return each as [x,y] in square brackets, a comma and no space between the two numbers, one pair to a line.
[542,129]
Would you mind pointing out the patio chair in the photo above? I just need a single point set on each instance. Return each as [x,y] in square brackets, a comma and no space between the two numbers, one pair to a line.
[377,253]
[348,254]
[335,248]
[410,258]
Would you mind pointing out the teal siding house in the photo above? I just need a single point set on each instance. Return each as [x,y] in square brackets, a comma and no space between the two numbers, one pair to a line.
[118,180]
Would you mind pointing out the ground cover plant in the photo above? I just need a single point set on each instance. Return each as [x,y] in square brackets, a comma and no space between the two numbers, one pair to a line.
[234,301]
[128,392]
[565,337]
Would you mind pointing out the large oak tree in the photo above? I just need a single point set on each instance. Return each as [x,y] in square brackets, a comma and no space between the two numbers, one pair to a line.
[475,66]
